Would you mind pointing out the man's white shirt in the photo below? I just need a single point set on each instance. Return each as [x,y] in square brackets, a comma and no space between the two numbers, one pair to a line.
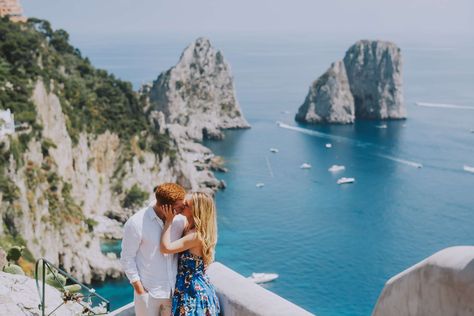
[141,258]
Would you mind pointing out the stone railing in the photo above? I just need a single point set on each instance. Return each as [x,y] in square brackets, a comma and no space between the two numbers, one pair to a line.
[440,285]
[239,296]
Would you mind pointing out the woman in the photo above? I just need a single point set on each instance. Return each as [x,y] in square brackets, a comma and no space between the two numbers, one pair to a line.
[193,294]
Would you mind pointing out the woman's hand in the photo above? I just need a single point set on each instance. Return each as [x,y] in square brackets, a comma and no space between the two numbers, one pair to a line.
[168,212]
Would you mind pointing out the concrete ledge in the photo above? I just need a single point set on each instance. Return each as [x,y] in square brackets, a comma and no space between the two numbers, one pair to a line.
[126,310]
[239,296]
[442,284]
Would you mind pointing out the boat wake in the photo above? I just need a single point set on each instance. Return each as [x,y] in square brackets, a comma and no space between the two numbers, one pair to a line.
[350,141]
[324,135]
[402,161]
[445,106]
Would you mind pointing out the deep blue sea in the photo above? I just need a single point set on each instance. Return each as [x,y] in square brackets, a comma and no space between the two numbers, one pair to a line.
[333,246]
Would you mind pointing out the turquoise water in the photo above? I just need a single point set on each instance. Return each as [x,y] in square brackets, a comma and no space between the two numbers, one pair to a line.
[333,246]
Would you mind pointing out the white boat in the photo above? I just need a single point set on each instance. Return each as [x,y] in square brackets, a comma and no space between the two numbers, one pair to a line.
[328,145]
[468,168]
[305,166]
[381,126]
[336,168]
[263,277]
[274,150]
[260,185]
[344,180]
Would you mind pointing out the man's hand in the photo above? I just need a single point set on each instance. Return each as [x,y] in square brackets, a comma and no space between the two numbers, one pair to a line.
[168,212]
[138,287]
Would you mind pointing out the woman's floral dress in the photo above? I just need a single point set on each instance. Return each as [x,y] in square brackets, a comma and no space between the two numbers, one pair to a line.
[193,293]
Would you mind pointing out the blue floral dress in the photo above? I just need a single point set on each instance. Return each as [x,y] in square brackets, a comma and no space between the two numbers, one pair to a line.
[193,294]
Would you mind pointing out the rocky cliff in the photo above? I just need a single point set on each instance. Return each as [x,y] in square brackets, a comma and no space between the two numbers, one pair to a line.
[367,84]
[329,99]
[89,154]
[374,70]
[198,92]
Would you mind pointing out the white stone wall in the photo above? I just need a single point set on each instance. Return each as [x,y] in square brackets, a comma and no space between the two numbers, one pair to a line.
[239,296]
[441,285]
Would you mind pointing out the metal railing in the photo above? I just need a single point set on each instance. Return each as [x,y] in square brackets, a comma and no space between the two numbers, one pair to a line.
[75,293]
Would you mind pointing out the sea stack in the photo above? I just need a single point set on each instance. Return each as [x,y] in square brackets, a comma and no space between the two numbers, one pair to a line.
[374,70]
[367,84]
[329,99]
[198,92]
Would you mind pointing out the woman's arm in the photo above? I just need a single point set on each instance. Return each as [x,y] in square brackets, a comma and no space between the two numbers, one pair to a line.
[182,244]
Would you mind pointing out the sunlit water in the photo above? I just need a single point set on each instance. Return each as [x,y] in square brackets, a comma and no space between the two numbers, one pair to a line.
[333,246]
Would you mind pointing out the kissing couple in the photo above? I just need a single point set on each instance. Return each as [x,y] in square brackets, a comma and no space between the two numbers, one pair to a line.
[166,249]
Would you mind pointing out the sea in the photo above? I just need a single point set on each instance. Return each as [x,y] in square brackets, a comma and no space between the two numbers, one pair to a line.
[333,246]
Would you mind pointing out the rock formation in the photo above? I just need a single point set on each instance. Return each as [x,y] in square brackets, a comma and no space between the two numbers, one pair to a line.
[329,99]
[367,84]
[374,70]
[198,92]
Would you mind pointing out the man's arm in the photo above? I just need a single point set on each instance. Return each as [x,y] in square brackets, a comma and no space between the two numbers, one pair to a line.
[130,245]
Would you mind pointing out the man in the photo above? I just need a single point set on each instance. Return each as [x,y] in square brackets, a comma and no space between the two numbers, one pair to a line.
[151,273]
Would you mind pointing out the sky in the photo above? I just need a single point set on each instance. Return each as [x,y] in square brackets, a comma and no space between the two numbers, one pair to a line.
[360,18]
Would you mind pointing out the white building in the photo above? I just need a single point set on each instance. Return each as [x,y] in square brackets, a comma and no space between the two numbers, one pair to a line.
[7,123]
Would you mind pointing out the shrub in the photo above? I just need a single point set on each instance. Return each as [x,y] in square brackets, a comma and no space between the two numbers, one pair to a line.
[134,197]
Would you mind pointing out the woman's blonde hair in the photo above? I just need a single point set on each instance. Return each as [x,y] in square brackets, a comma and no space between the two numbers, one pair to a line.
[205,223]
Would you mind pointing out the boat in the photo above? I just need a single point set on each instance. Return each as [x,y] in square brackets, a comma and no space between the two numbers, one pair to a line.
[263,277]
[468,168]
[381,126]
[336,168]
[305,166]
[344,180]
[328,145]
[274,150]
[260,185]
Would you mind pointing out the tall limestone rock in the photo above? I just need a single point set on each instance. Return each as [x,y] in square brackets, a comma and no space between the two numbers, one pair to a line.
[198,92]
[329,99]
[367,84]
[374,69]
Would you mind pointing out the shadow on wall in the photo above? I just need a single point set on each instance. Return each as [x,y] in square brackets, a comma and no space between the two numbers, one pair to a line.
[442,284]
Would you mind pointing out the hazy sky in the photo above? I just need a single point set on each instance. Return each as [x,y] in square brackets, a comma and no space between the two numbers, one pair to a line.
[362,18]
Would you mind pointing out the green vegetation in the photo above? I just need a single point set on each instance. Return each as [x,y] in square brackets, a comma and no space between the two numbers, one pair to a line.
[46,145]
[7,187]
[16,264]
[92,99]
[91,223]
[134,197]
[13,269]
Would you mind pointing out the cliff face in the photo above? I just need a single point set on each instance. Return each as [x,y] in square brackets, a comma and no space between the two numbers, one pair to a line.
[367,84]
[198,92]
[329,99]
[89,156]
[374,69]
[63,190]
